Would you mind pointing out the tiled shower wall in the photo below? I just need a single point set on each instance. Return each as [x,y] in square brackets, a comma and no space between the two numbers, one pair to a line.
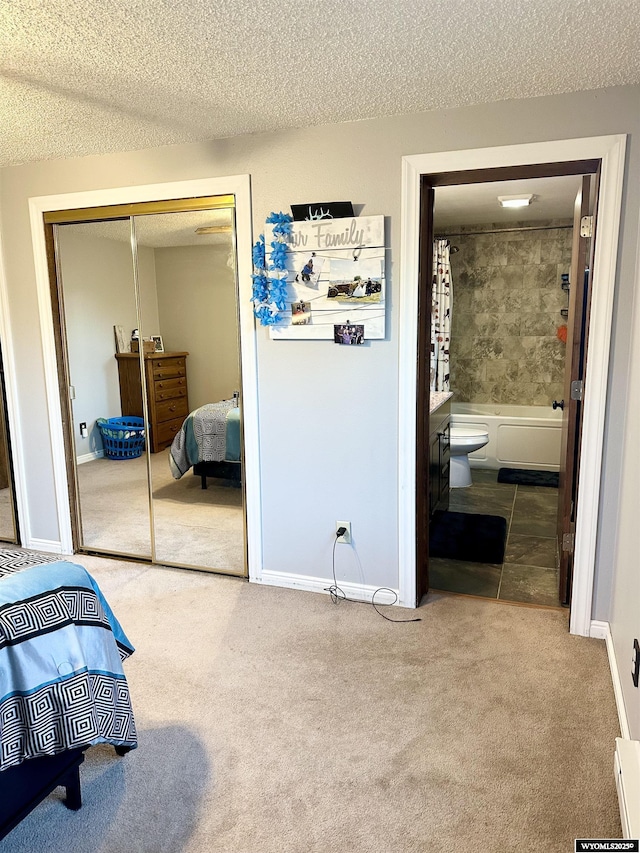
[507,298]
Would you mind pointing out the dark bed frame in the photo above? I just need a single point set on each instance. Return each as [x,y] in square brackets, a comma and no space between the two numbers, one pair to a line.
[221,470]
[23,787]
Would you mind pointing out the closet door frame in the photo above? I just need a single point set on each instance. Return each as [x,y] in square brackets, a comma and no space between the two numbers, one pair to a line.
[14,436]
[184,193]
[8,453]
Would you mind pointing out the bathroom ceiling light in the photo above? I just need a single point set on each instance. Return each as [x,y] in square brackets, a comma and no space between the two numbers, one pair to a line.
[515,200]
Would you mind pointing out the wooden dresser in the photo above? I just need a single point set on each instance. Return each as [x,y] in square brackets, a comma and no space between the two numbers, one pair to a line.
[167,399]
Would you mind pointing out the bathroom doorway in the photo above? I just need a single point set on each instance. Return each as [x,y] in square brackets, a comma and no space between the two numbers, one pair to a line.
[519,317]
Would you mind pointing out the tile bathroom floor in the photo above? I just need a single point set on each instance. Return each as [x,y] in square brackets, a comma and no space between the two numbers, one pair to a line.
[529,572]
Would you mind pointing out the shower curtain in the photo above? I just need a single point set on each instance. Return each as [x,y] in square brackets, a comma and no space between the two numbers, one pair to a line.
[442,297]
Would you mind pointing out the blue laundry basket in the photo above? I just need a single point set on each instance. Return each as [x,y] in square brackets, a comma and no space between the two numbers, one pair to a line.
[123,438]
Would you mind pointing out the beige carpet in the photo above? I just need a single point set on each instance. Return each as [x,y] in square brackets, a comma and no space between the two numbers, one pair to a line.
[272,721]
[7,530]
[193,526]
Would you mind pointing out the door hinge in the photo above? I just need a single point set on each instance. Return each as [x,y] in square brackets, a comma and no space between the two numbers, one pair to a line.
[586,226]
[568,541]
[576,389]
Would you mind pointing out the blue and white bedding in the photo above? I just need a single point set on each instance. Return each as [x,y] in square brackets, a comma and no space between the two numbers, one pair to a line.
[209,434]
[61,650]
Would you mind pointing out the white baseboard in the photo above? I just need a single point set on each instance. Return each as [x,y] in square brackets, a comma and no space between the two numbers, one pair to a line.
[359,592]
[602,631]
[599,630]
[627,772]
[89,457]
[49,546]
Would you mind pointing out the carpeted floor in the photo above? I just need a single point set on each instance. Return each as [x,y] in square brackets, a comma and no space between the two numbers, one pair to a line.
[272,721]
[192,526]
[7,531]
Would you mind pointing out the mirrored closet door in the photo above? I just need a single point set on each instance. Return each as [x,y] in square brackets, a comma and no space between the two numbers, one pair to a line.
[96,272]
[150,357]
[193,385]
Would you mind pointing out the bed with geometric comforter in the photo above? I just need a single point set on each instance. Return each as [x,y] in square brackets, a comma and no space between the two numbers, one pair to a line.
[62,685]
[210,442]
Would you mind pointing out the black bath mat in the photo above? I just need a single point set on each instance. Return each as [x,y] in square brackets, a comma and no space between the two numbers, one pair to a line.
[468,536]
[522,477]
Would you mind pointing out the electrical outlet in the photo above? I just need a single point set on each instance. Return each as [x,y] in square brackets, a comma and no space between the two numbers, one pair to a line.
[345,539]
[84,432]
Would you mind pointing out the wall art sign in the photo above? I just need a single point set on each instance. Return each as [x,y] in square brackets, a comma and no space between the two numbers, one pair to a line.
[336,268]
[322,210]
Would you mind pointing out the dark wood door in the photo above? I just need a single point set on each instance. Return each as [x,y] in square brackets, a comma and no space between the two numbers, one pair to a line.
[423,480]
[435,485]
[580,279]
[576,346]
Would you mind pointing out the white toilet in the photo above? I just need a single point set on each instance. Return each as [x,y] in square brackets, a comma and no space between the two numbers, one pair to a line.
[464,440]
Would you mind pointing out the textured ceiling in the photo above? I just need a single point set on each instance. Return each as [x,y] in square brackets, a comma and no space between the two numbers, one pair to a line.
[92,76]
[477,204]
[162,230]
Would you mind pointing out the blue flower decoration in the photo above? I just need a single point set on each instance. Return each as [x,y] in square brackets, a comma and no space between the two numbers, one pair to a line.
[278,218]
[260,288]
[264,315]
[278,291]
[283,229]
[270,292]
[282,223]
[258,253]
[278,255]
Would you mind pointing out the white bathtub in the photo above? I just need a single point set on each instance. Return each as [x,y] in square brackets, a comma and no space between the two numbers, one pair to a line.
[519,436]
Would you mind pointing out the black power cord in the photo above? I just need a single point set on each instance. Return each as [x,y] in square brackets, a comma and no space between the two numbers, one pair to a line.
[337,594]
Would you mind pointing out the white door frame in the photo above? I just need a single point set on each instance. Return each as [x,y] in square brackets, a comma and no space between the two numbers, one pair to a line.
[611,150]
[240,187]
